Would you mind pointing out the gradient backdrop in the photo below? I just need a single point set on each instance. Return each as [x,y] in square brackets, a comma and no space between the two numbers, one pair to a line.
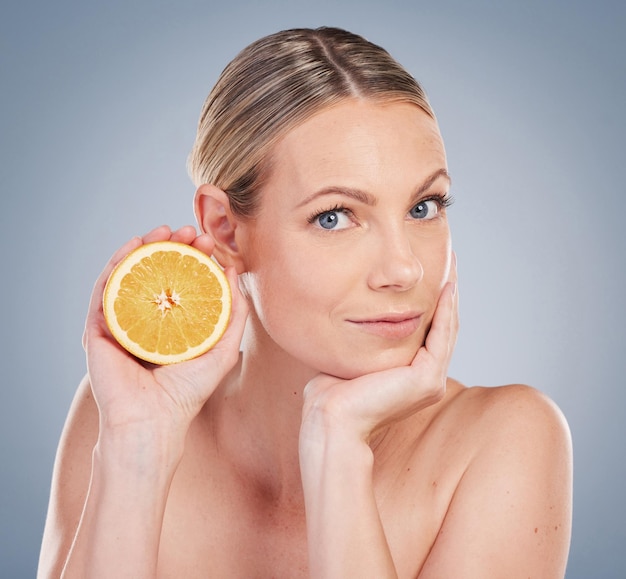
[98,106]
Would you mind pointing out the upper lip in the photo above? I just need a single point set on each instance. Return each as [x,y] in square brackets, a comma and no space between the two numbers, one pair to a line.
[391,317]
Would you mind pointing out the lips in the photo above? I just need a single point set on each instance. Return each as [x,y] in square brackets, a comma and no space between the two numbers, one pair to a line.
[392,326]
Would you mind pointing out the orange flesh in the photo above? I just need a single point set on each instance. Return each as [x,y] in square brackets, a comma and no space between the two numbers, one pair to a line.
[167,304]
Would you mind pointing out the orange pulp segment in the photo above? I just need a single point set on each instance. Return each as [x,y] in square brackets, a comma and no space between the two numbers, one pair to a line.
[167,302]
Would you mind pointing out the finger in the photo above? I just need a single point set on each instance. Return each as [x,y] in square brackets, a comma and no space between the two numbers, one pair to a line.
[440,339]
[453,275]
[455,314]
[204,243]
[453,319]
[160,233]
[185,234]
[95,309]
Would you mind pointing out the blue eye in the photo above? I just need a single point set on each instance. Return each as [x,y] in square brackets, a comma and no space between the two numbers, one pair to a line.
[328,220]
[332,219]
[427,209]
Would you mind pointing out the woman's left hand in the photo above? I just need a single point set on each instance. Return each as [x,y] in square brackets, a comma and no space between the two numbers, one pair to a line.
[364,404]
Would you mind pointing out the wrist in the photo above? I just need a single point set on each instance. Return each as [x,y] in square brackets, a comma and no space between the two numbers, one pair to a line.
[327,445]
[138,451]
[326,420]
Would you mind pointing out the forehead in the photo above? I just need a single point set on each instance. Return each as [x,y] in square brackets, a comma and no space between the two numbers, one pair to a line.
[363,144]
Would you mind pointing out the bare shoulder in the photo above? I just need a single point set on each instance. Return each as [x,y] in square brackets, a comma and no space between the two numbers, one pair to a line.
[510,428]
[515,487]
[70,480]
[515,410]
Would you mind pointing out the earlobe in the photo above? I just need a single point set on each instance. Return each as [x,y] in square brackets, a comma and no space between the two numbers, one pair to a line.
[214,216]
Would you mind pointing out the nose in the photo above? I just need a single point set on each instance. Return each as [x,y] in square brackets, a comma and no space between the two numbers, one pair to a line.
[395,266]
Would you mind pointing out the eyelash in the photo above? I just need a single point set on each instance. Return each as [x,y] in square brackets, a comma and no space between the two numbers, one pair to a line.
[443,201]
[334,209]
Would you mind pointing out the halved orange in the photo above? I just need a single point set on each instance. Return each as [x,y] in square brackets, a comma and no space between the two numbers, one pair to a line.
[167,302]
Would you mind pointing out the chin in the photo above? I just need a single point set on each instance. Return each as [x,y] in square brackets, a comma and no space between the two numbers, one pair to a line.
[386,360]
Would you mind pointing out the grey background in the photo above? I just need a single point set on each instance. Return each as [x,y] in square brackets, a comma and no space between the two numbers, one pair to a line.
[98,107]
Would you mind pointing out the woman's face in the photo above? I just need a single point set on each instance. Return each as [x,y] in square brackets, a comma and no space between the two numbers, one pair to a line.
[351,248]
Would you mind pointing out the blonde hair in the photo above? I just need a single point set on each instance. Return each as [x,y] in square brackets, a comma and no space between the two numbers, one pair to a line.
[276,83]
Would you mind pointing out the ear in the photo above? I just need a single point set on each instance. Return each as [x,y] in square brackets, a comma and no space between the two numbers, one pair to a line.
[214,216]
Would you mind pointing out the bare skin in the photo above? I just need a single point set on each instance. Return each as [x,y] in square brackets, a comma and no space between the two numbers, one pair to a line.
[339,451]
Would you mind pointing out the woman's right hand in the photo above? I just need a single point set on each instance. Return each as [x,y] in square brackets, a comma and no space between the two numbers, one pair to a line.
[140,397]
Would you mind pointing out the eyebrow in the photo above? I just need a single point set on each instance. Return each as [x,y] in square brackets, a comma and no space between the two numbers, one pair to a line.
[367,198]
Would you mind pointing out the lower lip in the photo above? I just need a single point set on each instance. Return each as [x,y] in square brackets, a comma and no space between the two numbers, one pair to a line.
[393,330]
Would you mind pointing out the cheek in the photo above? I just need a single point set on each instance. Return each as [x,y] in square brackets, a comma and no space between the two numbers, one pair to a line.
[297,298]
[292,315]
[436,261]
[287,286]
[290,270]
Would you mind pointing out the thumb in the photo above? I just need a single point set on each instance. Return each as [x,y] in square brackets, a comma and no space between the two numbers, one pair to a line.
[206,371]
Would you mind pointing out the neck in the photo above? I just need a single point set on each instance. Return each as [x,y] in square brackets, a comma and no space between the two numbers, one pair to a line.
[257,413]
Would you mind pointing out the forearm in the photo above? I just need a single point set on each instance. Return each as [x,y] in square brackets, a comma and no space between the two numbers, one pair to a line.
[344,530]
[119,532]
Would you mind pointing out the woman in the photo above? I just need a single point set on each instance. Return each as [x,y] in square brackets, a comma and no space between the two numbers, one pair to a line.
[333,444]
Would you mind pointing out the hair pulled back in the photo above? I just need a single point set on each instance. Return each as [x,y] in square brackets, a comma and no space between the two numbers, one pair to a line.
[273,85]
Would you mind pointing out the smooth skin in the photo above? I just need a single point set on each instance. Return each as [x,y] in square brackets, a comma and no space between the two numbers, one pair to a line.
[334,445]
